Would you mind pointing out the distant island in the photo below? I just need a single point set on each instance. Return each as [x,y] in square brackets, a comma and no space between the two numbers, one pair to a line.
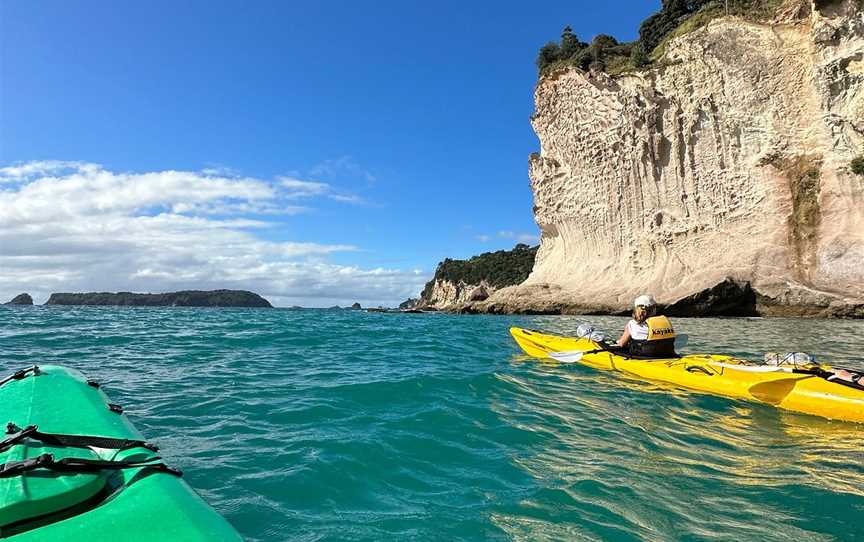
[186,298]
[20,299]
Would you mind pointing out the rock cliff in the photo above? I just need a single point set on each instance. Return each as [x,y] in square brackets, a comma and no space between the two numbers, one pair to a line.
[447,294]
[460,282]
[188,298]
[728,159]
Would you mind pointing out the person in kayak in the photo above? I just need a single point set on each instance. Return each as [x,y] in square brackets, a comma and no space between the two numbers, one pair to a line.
[648,335]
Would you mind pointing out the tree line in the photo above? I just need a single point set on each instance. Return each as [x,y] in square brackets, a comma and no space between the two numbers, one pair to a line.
[605,51]
[498,269]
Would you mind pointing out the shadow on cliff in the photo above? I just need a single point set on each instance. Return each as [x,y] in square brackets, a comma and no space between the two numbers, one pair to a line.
[727,298]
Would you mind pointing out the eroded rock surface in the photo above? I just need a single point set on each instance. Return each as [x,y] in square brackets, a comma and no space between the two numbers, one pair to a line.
[729,159]
[460,282]
[449,294]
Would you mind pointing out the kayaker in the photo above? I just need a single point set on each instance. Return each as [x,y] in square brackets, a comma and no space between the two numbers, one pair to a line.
[648,335]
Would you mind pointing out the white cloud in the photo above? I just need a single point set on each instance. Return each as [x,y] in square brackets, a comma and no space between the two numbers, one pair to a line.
[528,238]
[343,166]
[238,207]
[297,188]
[483,238]
[303,189]
[220,170]
[43,167]
[347,198]
[94,191]
[72,226]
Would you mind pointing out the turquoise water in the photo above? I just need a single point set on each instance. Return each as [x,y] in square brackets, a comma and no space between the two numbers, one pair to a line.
[323,425]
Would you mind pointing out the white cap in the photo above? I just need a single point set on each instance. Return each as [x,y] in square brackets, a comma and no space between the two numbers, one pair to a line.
[644,301]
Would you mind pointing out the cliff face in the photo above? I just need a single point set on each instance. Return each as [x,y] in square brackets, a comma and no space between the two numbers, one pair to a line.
[446,294]
[729,159]
[460,282]
[187,298]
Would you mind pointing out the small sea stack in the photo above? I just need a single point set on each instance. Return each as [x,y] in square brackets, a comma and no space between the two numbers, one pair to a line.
[21,299]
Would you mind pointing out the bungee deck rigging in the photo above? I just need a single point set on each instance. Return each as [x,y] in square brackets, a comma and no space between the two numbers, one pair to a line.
[72,467]
[75,464]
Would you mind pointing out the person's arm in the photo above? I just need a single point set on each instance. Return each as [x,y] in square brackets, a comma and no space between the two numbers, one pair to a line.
[625,337]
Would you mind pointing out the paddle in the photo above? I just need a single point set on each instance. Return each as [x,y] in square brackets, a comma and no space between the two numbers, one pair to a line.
[573,356]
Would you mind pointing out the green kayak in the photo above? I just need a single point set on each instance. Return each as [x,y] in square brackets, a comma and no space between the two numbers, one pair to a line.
[72,467]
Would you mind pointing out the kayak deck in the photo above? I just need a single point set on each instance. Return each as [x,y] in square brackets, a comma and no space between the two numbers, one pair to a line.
[714,374]
[130,504]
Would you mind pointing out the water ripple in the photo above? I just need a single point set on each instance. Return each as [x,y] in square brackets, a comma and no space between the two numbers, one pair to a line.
[338,425]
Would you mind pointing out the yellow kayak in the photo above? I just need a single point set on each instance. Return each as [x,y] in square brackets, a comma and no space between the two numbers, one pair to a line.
[804,390]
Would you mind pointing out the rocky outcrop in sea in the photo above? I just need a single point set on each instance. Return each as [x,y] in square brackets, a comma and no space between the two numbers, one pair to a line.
[21,299]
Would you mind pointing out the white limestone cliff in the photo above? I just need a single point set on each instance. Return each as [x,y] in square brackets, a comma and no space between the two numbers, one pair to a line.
[447,295]
[729,158]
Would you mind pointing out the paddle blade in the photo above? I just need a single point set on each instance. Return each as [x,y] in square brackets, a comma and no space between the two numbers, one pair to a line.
[572,356]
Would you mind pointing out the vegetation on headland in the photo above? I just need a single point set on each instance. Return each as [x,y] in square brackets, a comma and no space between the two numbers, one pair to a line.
[675,18]
[857,165]
[186,298]
[409,303]
[497,269]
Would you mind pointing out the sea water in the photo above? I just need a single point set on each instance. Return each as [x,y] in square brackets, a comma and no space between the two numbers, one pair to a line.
[345,425]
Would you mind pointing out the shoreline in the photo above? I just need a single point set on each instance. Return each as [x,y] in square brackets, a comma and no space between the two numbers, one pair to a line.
[728,298]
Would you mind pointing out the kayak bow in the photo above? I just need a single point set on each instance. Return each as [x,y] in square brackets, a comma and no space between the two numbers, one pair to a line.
[72,467]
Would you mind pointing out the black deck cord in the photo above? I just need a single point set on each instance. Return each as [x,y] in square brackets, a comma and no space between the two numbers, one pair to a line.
[77,464]
[75,441]
[18,375]
[623,351]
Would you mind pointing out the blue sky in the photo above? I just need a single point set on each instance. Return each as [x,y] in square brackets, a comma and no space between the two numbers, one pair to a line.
[337,150]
